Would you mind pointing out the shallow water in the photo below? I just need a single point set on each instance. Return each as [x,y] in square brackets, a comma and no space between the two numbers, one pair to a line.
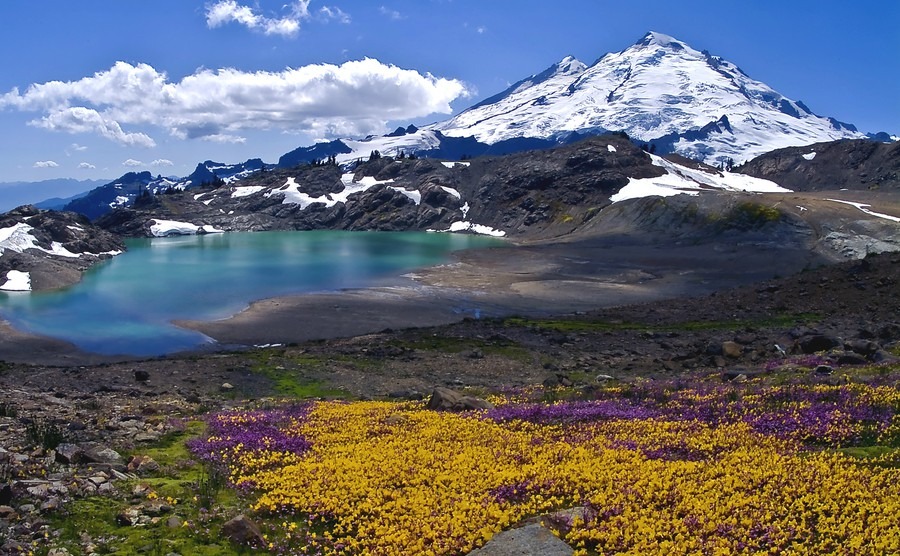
[125,306]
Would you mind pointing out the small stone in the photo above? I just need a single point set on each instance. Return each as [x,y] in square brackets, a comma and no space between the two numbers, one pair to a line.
[824,370]
[226,387]
[732,350]
[174,522]
[243,531]
[6,511]
[141,375]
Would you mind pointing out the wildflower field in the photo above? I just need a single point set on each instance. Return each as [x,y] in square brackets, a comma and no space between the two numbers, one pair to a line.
[686,466]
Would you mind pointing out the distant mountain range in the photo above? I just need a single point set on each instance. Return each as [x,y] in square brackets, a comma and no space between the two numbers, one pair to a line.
[665,95]
[47,194]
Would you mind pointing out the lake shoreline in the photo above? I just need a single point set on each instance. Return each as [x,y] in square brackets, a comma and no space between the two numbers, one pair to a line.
[527,280]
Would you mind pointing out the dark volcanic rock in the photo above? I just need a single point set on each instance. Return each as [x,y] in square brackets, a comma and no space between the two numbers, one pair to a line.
[850,164]
[65,244]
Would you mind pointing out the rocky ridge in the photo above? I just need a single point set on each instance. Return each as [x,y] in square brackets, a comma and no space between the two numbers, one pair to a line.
[42,250]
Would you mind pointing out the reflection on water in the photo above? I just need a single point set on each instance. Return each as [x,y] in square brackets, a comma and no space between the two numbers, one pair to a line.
[124,306]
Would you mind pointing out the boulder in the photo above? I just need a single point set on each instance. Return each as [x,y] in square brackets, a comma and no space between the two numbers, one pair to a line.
[143,465]
[243,531]
[531,540]
[445,399]
[732,349]
[812,343]
[69,454]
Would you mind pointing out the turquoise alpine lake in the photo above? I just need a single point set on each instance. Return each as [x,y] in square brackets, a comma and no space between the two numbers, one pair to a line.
[126,305]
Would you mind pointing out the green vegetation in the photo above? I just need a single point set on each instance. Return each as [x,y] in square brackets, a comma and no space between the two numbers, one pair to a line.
[44,435]
[748,215]
[287,372]
[186,502]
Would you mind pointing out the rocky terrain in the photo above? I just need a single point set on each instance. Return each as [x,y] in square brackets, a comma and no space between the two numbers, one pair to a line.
[50,249]
[79,433]
[534,194]
[850,164]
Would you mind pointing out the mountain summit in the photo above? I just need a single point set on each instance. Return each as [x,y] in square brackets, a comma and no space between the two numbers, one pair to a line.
[660,91]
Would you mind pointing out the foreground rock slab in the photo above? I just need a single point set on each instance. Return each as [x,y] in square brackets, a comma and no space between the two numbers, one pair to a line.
[531,540]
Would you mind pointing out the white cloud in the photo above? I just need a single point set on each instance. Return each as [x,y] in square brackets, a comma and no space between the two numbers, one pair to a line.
[228,11]
[335,13]
[45,164]
[392,14]
[79,119]
[86,166]
[77,148]
[132,162]
[162,162]
[355,98]
[481,30]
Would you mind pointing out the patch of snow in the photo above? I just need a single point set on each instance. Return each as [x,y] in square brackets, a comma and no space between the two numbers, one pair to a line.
[611,148]
[465,209]
[18,238]
[293,195]
[451,191]
[75,228]
[455,164]
[414,196]
[801,208]
[681,180]
[198,195]
[809,156]
[119,201]
[17,281]
[465,226]
[165,228]
[56,248]
[862,207]
[246,191]
[207,202]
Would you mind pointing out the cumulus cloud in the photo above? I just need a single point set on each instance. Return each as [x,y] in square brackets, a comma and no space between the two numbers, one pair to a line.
[352,99]
[162,162]
[86,166]
[45,164]
[79,119]
[132,162]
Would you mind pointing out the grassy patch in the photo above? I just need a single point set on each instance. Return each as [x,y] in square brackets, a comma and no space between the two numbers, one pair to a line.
[183,488]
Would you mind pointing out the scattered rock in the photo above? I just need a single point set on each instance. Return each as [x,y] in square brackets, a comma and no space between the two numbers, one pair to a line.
[445,399]
[812,343]
[732,349]
[226,387]
[824,370]
[143,465]
[141,375]
[243,531]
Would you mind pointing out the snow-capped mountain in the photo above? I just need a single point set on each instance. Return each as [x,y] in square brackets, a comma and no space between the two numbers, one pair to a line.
[125,190]
[659,91]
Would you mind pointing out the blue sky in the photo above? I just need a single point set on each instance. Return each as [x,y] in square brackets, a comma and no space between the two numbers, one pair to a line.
[93,89]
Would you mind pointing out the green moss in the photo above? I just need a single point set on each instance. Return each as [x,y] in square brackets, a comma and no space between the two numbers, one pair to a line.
[179,485]
[748,215]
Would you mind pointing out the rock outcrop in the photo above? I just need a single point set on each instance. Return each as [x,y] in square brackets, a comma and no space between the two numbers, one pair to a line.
[42,250]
